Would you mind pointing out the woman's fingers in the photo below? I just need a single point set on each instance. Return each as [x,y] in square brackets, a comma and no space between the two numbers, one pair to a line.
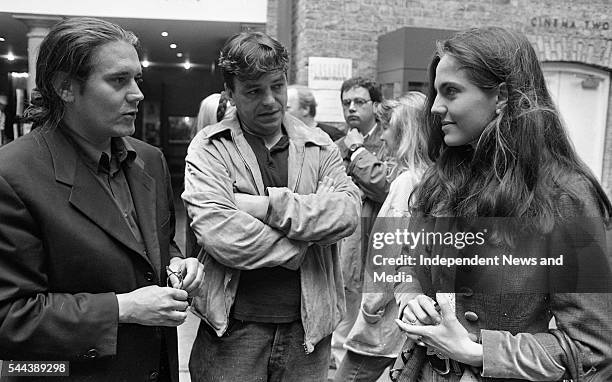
[429,307]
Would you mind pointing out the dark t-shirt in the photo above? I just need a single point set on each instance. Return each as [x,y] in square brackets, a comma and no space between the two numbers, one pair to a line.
[269,294]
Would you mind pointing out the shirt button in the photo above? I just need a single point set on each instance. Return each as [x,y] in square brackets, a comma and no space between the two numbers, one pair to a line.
[149,276]
[153,376]
[471,316]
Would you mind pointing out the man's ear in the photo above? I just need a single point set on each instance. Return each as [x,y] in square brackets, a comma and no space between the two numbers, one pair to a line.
[230,94]
[64,86]
[502,96]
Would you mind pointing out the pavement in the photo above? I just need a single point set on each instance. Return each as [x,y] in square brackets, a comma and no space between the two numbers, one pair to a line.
[187,331]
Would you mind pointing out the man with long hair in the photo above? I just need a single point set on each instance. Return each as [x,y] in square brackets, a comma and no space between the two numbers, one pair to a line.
[87,228]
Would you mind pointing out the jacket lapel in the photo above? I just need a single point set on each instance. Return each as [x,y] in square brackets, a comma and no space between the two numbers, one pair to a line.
[142,187]
[87,195]
[91,199]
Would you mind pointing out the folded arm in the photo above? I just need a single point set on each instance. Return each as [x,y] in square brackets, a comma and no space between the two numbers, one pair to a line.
[232,236]
[319,217]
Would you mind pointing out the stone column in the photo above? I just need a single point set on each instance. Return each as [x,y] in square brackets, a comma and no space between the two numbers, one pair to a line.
[39,28]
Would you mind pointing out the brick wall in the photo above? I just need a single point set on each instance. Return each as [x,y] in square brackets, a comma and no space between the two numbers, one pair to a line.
[607,164]
[271,25]
[560,30]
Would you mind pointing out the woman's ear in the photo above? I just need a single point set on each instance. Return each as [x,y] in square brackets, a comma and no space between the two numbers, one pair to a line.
[502,97]
[63,86]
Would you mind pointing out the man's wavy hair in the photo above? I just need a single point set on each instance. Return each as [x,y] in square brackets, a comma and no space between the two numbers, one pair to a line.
[69,48]
[522,161]
[249,55]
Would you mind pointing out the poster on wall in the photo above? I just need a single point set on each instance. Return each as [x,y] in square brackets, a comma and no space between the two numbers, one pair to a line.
[325,77]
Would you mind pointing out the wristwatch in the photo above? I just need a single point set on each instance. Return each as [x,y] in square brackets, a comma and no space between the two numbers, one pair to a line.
[352,148]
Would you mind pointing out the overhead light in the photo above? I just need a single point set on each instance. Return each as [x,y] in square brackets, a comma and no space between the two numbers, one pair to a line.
[10,56]
[187,65]
[20,75]
[145,63]
[164,34]
[2,39]
[179,55]
[172,46]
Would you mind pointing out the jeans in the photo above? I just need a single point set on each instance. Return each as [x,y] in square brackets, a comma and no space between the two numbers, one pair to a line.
[253,351]
[361,368]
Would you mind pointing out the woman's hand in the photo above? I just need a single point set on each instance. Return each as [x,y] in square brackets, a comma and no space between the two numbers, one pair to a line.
[448,337]
[421,310]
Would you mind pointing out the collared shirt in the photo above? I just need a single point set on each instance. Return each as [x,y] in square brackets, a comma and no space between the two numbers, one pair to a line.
[366,138]
[108,171]
[371,131]
[269,294]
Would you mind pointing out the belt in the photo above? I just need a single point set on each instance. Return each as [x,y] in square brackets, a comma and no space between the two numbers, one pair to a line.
[444,366]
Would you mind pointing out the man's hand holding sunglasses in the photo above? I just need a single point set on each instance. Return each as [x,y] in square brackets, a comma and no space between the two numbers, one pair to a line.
[186,274]
[163,306]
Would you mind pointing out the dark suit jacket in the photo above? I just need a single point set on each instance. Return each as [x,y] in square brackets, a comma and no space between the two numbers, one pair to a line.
[65,250]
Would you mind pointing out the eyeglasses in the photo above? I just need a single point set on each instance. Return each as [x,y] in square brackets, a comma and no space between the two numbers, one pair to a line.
[179,276]
[171,273]
[359,102]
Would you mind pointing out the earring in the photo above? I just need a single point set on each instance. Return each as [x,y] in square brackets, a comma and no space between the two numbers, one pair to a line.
[497,111]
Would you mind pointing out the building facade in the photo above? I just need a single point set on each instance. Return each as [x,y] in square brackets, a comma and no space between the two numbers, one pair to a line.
[573,39]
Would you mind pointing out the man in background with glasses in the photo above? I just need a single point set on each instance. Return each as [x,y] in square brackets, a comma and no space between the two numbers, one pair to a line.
[364,154]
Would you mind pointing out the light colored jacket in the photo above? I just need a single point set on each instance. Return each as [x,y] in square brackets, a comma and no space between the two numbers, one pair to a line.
[375,332]
[300,230]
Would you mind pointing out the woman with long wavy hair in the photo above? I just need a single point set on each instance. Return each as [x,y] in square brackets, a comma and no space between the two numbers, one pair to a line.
[505,173]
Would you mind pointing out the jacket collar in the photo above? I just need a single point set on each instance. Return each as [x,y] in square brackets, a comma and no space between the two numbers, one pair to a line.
[65,156]
[297,131]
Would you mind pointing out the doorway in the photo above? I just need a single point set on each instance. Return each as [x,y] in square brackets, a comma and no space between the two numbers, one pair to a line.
[581,94]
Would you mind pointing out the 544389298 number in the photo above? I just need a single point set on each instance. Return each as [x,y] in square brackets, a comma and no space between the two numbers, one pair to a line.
[35,368]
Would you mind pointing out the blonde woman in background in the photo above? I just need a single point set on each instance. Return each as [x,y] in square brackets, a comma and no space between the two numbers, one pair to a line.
[375,340]
[214,108]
